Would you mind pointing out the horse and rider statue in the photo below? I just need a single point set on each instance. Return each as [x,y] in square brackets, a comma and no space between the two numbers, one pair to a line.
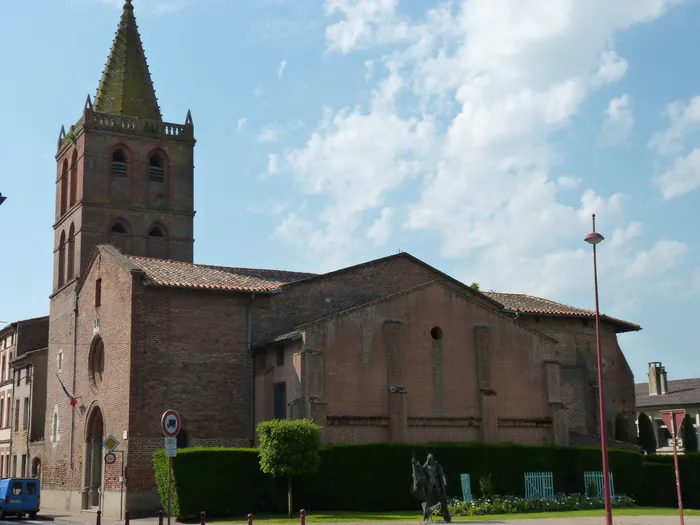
[430,487]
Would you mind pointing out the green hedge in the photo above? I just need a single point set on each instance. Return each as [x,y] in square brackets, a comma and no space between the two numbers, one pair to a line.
[658,485]
[373,477]
[689,466]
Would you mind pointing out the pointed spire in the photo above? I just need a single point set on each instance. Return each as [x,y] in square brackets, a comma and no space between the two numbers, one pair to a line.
[126,87]
[188,120]
[61,136]
[88,103]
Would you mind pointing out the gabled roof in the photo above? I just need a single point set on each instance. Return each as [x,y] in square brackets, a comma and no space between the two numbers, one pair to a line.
[680,392]
[176,274]
[529,304]
[462,290]
[126,87]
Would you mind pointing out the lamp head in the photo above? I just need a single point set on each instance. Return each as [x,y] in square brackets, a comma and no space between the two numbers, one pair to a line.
[594,238]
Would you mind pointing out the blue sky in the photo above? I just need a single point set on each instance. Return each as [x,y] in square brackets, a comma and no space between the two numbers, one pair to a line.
[478,136]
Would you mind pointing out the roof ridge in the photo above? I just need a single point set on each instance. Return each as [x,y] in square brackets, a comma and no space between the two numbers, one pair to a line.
[214,266]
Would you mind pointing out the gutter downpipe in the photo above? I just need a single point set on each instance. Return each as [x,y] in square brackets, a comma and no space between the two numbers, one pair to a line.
[252,370]
[75,355]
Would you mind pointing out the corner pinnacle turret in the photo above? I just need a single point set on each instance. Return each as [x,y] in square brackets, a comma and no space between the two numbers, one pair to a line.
[126,87]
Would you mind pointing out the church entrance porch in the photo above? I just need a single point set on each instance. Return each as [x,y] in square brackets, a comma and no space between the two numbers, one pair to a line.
[93,473]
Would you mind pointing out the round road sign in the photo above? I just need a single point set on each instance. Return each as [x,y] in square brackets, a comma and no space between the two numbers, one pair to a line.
[170,422]
[110,458]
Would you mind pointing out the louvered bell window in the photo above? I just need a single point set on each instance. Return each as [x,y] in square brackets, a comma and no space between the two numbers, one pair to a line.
[119,167]
[156,170]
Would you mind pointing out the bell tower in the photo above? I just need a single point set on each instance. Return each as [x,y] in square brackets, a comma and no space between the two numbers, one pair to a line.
[125,177]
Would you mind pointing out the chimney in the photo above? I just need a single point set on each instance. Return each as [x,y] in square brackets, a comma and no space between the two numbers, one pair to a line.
[658,382]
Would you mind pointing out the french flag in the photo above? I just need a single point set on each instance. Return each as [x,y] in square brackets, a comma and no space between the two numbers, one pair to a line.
[73,399]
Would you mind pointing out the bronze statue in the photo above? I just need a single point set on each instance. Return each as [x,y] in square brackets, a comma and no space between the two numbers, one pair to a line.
[430,487]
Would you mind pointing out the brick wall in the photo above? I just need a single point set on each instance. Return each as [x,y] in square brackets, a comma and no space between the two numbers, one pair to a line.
[361,359]
[577,352]
[189,354]
[315,298]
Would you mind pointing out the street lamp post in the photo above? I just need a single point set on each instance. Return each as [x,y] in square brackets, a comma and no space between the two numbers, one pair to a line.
[594,239]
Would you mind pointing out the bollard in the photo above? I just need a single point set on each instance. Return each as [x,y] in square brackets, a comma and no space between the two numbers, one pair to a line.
[99,518]
[302,517]
[160,517]
[126,517]
[250,519]
[203,518]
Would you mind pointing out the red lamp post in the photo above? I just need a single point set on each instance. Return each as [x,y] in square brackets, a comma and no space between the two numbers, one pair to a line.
[594,239]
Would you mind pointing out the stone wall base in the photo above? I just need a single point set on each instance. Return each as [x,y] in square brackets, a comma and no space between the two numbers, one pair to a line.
[139,504]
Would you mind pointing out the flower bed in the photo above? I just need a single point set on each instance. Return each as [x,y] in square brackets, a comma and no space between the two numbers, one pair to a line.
[516,505]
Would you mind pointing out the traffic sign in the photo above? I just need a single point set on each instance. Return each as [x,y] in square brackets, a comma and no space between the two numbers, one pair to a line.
[171,424]
[673,420]
[170,447]
[110,458]
[110,443]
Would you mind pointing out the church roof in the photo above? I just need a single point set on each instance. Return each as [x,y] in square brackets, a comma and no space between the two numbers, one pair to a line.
[176,274]
[529,304]
[126,88]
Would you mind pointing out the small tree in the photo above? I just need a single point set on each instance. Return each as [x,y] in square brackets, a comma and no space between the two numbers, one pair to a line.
[289,447]
[690,438]
[474,286]
[621,429]
[646,434]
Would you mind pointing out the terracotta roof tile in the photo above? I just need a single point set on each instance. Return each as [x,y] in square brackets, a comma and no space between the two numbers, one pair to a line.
[530,304]
[176,274]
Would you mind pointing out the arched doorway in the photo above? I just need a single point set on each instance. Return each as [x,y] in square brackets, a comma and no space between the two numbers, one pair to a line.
[92,460]
[36,468]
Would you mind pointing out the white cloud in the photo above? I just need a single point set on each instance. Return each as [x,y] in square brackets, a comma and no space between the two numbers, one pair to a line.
[280,69]
[241,124]
[381,228]
[494,80]
[618,121]
[270,133]
[272,164]
[678,143]
[683,119]
[682,177]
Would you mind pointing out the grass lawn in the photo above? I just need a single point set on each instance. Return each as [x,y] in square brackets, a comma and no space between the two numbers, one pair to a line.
[340,517]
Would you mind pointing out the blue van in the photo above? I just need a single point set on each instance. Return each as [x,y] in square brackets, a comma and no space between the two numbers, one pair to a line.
[19,496]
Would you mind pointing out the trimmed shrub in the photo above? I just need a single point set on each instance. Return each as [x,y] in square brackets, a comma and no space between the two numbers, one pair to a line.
[690,438]
[374,477]
[689,466]
[646,434]
[658,485]
[621,428]
[223,482]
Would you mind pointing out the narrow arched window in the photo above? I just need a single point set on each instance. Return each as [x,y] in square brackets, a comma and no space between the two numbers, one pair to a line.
[156,232]
[64,189]
[70,257]
[73,179]
[118,228]
[119,166]
[62,260]
[156,168]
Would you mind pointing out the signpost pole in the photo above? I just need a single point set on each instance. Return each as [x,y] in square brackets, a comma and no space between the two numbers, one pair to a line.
[674,435]
[170,485]
[171,424]
[674,421]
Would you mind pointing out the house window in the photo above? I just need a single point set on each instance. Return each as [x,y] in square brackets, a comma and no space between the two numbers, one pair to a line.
[16,415]
[119,166]
[2,417]
[156,232]
[24,465]
[18,376]
[156,168]
[98,292]
[25,415]
[118,228]
[280,356]
[280,400]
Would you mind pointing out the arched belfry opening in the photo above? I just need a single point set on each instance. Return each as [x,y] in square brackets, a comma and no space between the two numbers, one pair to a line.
[93,474]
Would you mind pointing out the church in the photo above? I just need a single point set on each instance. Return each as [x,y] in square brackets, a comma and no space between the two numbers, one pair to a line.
[388,350]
